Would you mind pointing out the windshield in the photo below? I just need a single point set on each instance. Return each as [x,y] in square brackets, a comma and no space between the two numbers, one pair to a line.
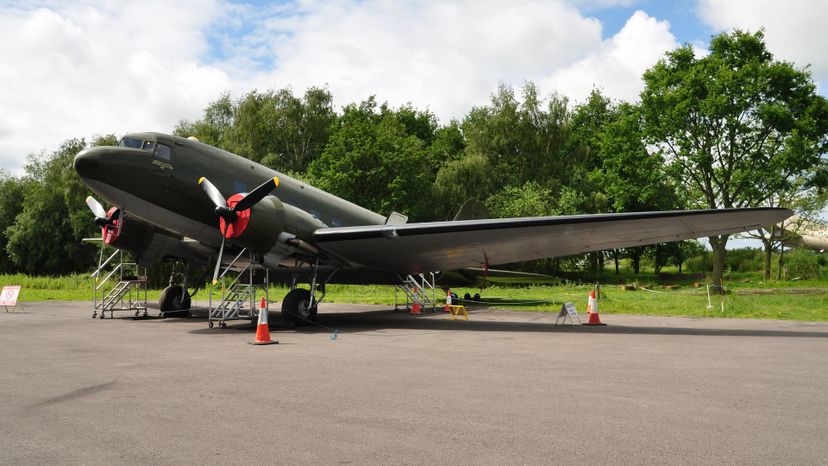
[130,142]
[135,143]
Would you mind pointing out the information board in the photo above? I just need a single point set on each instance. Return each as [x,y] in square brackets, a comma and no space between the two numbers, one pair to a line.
[8,297]
[568,310]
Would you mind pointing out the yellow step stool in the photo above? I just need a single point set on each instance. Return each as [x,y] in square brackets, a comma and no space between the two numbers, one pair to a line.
[457,311]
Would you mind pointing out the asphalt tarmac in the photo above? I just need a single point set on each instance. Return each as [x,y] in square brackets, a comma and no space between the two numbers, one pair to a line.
[502,388]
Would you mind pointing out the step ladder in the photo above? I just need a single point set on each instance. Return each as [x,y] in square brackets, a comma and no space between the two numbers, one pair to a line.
[425,283]
[238,298]
[129,294]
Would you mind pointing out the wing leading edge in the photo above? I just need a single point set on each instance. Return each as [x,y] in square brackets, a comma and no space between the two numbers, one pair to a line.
[422,247]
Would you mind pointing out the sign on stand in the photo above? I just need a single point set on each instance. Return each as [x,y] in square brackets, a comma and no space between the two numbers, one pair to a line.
[8,298]
[568,310]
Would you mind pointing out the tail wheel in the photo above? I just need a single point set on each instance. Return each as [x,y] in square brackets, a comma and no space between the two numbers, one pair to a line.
[297,308]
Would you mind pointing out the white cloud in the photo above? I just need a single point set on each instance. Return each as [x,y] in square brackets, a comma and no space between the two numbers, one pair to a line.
[794,30]
[82,69]
[447,55]
[616,65]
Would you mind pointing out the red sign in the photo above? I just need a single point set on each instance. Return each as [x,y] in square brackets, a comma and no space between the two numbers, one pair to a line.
[9,295]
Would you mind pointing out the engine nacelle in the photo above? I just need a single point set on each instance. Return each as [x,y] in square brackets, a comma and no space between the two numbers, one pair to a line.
[260,228]
[148,243]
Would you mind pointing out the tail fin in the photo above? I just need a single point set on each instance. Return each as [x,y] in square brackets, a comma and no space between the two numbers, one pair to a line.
[472,210]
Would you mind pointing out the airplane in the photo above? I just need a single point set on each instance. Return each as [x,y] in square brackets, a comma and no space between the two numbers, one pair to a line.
[806,234]
[177,197]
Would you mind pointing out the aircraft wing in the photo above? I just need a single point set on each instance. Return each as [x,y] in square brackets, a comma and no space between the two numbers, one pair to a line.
[424,247]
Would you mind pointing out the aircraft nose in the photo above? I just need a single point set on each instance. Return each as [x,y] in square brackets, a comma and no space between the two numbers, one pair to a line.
[88,162]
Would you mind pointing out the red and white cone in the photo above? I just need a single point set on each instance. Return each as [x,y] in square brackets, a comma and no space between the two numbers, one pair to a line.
[262,330]
[448,301]
[415,308]
[592,307]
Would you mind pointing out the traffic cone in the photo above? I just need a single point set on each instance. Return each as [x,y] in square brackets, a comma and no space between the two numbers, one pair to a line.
[262,330]
[448,301]
[415,308]
[592,308]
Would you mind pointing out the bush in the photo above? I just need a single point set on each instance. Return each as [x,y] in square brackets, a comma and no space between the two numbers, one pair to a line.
[803,264]
[701,263]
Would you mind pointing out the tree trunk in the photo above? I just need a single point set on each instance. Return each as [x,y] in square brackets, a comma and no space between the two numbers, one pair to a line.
[679,266]
[718,243]
[615,255]
[780,273]
[767,243]
[636,263]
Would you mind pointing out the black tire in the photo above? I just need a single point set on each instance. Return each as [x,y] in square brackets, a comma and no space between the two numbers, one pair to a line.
[454,299]
[172,305]
[467,297]
[295,309]
[477,296]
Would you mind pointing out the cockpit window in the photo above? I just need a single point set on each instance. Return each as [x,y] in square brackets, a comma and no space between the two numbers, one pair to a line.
[130,142]
[162,151]
[148,145]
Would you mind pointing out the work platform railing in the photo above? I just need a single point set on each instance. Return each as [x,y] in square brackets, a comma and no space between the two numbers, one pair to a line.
[128,294]
[425,285]
[239,297]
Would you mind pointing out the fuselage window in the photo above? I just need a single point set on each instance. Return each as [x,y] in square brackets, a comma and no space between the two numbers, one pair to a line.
[163,151]
[129,142]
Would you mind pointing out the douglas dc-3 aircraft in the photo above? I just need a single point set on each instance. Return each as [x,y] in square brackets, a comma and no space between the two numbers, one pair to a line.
[180,198]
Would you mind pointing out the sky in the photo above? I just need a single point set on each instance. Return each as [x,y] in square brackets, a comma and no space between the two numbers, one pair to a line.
[80,68]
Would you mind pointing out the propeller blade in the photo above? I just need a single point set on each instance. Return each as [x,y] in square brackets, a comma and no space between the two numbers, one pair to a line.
[253,197]
[218,260]
[212,192]
[96,207]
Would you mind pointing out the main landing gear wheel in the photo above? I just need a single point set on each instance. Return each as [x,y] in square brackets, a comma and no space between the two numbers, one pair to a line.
[172,304]
[297,309]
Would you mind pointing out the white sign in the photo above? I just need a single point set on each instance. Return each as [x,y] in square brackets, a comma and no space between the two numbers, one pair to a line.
[568,310]
[9,295]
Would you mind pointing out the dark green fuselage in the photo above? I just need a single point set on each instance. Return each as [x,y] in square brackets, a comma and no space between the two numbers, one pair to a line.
[163,190]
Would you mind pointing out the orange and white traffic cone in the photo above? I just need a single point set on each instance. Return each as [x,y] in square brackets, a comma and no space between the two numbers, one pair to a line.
[446,308]
[262,330]
[592,308]
[415,308]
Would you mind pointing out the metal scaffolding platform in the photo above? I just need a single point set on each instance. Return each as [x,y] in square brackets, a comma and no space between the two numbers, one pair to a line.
[128,294]
[239,297]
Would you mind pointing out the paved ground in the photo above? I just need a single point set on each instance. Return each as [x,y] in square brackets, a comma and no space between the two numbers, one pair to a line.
[503,388]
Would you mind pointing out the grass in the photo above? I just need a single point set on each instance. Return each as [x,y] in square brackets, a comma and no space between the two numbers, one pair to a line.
[748,296]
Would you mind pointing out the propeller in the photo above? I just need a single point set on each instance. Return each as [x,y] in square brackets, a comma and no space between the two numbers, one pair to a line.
[231,213]
[101,218]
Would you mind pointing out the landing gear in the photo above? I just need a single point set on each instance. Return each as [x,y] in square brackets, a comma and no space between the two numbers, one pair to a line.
[174,302]
[298,308]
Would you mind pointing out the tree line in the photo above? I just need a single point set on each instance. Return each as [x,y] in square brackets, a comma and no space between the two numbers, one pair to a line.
[734,128]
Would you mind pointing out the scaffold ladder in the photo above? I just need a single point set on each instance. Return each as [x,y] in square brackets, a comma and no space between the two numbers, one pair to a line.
[128,294]
[426,284]
[238,298]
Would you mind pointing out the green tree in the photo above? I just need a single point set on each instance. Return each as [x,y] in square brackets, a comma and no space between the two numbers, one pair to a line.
[377,158]
[12,194]
[521,140]
[45,237]
[730,122]
[274,128]
[214,127]
[529,200]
